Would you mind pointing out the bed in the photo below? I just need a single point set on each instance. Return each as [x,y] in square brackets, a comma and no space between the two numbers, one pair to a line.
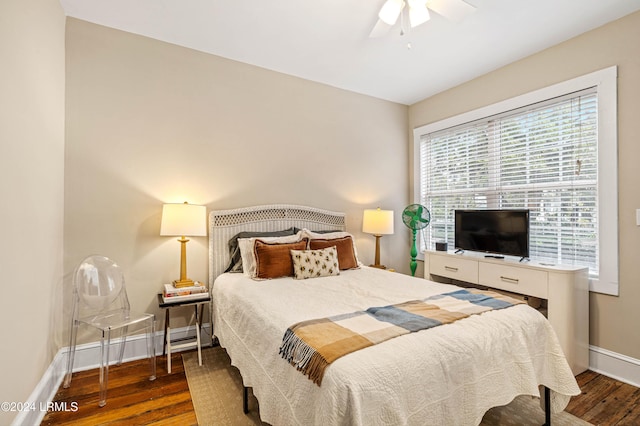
[451,374]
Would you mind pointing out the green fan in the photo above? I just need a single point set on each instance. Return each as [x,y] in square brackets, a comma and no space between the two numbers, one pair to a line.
[416,217]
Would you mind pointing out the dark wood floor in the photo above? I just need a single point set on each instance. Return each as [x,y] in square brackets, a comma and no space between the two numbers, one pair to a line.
[605,401]
[133,400]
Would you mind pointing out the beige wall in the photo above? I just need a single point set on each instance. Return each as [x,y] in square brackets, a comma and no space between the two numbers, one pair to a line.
[31,189]
[150,122]
[614,320]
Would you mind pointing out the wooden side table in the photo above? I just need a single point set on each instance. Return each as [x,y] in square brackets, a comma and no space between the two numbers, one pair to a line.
[167,347]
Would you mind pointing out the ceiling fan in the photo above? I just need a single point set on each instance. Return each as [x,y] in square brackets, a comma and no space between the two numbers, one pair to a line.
[454,10]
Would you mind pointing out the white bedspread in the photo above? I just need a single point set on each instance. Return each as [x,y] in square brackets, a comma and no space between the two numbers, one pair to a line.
[447,375]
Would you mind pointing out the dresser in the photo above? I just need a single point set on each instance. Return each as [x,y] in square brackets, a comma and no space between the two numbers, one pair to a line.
[561,291]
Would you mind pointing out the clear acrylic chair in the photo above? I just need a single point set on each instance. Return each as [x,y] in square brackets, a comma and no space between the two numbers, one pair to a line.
[100,301]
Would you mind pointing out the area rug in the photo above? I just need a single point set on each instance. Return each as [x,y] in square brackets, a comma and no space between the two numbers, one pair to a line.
[216,391]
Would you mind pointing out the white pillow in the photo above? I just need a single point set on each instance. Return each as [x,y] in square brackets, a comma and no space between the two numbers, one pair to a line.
[248,254]
[330,236]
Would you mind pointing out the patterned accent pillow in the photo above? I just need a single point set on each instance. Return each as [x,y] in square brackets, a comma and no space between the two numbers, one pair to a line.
[315,263]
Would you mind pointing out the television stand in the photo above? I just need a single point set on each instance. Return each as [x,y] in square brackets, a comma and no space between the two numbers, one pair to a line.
[564,288]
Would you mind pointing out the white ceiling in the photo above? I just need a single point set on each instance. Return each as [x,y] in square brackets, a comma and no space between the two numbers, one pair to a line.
[327,40]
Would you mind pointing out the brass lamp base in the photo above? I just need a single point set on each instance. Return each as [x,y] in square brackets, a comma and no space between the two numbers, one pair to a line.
[377,257]
[378,266]
[183,283]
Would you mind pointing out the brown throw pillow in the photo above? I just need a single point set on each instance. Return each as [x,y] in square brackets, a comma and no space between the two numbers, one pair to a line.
[344,245]
[273,260]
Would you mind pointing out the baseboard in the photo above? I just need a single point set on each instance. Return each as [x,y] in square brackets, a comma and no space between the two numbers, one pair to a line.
[87,357]
[617,366]
[43,393]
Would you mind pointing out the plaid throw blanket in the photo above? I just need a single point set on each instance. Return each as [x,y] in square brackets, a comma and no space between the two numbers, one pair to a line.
[312,345]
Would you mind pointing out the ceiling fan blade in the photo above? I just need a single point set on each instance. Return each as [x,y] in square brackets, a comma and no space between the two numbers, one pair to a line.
[380,29]
[454,10]
[418,13]
[391,10]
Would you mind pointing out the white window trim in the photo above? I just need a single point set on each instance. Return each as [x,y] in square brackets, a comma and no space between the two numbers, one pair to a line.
[605,81]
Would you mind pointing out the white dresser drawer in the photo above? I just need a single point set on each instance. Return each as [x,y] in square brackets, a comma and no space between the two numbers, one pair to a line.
[515,279]
[454,267]
[565,288]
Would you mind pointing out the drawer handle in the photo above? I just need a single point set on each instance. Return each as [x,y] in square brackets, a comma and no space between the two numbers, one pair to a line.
[509,280]
[451,268]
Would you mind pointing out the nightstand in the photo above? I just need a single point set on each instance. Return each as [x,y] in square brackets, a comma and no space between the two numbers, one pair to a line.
[167,346]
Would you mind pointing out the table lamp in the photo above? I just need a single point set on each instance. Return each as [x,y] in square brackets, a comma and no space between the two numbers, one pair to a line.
[377,222]
[184,220]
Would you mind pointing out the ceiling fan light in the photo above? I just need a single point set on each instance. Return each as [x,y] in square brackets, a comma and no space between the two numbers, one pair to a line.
[418,13]
[390,11]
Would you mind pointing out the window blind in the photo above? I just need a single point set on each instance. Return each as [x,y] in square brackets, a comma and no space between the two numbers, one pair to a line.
[542,157]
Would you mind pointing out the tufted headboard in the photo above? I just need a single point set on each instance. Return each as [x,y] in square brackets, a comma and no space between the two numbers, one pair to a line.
[224,224]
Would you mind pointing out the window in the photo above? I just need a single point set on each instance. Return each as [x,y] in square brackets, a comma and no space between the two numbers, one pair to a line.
[549,152]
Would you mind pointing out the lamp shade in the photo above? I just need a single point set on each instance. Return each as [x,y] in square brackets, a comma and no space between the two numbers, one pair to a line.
[184,220]
[377,222]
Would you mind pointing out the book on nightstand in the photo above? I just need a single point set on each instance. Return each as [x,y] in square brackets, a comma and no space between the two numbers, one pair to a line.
[172,294]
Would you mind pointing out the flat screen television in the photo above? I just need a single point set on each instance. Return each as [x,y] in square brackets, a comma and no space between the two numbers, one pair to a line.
[499,232]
